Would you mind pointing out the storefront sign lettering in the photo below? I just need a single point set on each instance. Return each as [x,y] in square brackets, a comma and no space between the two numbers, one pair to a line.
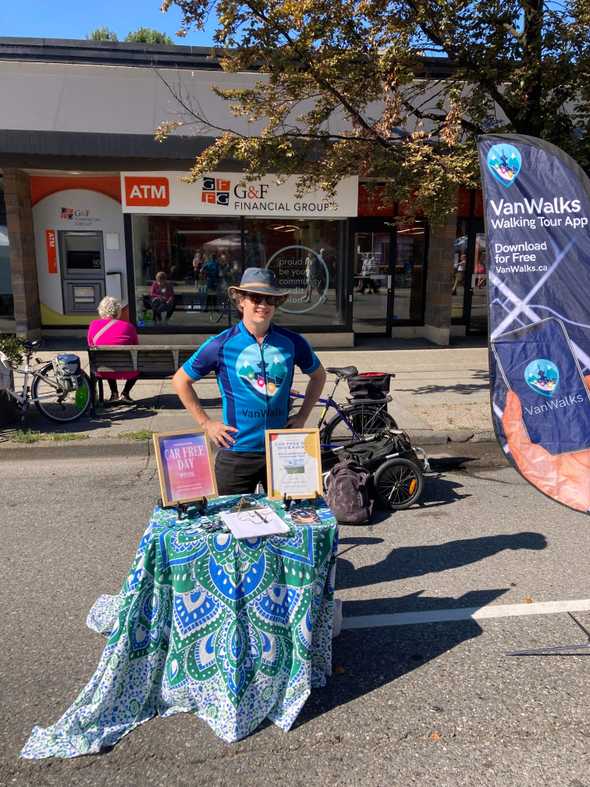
[147,191]
[51,248]
[226,194]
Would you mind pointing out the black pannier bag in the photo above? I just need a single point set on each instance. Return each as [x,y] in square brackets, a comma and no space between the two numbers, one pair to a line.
[370,385]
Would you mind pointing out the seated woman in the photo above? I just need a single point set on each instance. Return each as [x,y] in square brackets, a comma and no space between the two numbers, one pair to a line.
[109,329]
[162,297]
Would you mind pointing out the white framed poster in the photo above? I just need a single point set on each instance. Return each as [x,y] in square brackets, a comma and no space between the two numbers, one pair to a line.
[293,463]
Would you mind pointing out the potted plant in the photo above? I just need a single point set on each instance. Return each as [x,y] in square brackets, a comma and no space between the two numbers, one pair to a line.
[11,346]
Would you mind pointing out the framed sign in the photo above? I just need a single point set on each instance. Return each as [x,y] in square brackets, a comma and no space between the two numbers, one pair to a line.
[184,467]
[293,463]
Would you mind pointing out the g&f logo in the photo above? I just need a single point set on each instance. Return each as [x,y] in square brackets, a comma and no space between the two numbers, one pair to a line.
[542,376]
[69,214]
[215,191]
[504,162]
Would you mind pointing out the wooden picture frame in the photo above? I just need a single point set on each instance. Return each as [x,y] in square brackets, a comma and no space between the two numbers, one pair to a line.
[293,463]
[185,466]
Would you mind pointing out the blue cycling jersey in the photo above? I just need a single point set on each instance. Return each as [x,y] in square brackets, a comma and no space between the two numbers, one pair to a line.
[254,379]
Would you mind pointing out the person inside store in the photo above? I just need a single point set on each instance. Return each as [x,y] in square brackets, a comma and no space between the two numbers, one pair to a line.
[459,271]
[210,271]
[162,297]
[111,329]
[254,362]
[369,269]
[197,265]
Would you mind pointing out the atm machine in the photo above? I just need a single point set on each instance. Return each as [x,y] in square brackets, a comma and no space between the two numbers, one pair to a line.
[83,270]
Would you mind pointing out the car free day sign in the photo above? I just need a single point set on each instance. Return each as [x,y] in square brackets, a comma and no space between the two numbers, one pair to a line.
[537,210]
[223,193]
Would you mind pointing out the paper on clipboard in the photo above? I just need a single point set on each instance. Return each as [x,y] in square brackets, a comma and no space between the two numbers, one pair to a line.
[254,522]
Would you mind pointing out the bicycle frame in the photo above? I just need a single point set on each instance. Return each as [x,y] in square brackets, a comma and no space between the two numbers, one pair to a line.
[331,404]
[23,398]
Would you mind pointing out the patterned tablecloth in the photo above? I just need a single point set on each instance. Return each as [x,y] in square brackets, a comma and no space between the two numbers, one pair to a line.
[234,631]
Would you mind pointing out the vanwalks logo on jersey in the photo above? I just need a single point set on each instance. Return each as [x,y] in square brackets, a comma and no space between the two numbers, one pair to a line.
[265,380]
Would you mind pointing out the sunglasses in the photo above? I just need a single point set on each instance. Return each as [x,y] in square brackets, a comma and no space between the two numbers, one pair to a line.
[271,300]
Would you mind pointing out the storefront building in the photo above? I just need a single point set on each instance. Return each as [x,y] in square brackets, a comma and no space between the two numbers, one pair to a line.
[106,212]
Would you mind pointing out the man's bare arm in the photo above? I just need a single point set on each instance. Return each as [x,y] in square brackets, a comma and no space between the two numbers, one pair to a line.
[312,393]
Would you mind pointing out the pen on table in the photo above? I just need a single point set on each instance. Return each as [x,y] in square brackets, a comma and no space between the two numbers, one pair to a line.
[258,514]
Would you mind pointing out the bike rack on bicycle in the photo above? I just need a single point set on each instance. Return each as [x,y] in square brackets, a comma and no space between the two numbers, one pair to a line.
[343,410]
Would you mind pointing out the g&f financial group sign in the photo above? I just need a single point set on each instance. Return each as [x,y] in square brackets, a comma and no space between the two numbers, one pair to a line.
[224,194]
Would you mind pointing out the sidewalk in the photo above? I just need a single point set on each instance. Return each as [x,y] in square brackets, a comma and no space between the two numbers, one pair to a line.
[439,395]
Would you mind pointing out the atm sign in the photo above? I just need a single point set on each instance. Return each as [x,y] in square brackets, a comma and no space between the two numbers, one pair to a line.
[147,192]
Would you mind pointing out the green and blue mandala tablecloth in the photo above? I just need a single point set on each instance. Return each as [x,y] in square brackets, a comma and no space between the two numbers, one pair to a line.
[234,631]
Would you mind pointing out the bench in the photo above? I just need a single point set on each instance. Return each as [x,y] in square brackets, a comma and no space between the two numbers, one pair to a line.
[152,361]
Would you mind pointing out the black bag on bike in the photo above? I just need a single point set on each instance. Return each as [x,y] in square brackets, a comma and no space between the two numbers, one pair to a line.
[68,371]
[347,493]
[369,385]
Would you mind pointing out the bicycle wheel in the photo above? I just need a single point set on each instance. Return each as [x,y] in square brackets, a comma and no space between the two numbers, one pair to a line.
[366,420]
[216,312]
[398,483]
[51,400]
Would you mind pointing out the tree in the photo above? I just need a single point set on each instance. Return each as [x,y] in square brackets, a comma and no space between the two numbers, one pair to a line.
[395,89]
[102,34]
[147,35]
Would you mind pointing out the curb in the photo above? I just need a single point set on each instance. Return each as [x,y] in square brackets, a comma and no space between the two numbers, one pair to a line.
[111,446]
[83,449]
[427,437]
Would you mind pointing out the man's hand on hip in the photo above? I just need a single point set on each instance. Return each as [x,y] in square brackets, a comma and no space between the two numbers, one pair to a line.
[219,433]
[296,422]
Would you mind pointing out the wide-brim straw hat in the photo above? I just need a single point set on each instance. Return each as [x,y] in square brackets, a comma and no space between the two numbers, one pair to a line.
[258,281]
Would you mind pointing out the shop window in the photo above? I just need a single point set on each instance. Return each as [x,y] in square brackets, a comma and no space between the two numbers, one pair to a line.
[470,275]
[6,298]
[308,258]
[183,267]
[408,282]
[458,289]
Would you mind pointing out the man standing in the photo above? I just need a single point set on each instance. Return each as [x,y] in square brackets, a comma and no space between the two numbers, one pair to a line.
[254,363]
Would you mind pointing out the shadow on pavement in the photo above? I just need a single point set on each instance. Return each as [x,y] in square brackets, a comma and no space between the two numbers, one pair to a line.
[172,402]
[367,659]
[440,491]
[103,419]
[415,561]
[459,388]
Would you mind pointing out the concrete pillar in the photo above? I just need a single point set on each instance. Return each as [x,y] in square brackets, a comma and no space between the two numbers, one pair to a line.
[437,317]
[23,265]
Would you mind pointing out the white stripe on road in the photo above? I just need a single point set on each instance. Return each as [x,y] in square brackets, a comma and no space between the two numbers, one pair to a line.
[466,613]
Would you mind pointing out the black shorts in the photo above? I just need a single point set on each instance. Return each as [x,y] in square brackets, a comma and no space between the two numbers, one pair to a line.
[239,472]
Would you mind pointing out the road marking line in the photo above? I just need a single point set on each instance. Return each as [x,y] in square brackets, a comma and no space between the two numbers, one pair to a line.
[465,613]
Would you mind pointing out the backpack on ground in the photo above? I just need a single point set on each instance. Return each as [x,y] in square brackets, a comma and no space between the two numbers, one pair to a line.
[347,493]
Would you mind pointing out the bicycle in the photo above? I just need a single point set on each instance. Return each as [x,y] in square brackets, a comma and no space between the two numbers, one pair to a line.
[220,309]
[60,390]
[359,419]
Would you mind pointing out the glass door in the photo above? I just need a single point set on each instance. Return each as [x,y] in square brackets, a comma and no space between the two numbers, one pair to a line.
[372,269]
[477,322]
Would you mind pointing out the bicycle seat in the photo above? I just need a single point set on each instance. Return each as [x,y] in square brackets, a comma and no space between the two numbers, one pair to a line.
[343,371]
[30,345]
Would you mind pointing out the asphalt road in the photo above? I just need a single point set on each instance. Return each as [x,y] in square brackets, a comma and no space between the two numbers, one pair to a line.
[437,703]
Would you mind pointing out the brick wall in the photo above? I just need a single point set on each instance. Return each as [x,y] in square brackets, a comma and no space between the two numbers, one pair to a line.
[19,221]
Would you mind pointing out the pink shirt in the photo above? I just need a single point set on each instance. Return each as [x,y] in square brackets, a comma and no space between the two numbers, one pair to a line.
[166,293]
[120,332]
